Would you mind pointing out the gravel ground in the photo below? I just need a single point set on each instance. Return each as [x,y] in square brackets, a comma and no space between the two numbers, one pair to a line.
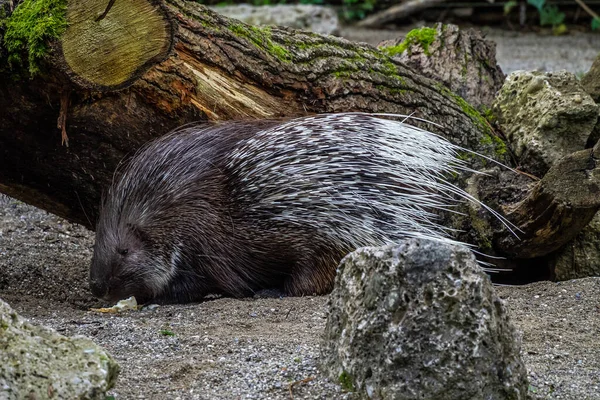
[254,348]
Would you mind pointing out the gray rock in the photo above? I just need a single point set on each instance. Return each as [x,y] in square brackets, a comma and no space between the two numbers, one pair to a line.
[420,320]
[591,84]
[580,258]
[545,116]
[308,17]
[38,363]
[591,80]
[594,136]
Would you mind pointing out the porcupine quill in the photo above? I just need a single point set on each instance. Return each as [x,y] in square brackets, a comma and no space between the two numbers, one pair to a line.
[239,207]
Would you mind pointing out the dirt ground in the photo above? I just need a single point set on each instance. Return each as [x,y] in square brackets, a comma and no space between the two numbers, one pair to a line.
[255,348]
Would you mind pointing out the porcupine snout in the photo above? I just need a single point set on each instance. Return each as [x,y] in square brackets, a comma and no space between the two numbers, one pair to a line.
[99,288]
[98,280]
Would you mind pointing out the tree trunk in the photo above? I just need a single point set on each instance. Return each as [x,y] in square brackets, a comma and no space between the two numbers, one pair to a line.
[125,72]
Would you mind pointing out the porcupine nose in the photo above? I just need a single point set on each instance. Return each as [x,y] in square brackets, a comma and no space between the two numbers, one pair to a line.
[99,288]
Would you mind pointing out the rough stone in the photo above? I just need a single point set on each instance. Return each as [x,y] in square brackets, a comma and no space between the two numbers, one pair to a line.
[580,258]
[591,81]
[594,136]
[308,17]
[38,363]
[591,84]
[420,320]
[544,116]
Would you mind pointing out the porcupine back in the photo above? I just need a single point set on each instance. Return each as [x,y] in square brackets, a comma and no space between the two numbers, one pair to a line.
[237,207]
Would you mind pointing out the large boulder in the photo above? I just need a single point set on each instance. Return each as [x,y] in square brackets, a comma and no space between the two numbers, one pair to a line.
[545,116]
[420,320]
[38,363]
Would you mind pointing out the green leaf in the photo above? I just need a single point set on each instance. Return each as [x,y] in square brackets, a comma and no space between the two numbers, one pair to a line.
[509,5]
[560,29]
[595,24]
[551,15]
[539,4]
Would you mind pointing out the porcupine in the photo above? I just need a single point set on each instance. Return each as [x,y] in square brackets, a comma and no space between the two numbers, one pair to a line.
[239,207]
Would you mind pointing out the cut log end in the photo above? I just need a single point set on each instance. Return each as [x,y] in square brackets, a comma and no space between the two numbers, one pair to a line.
[111,52]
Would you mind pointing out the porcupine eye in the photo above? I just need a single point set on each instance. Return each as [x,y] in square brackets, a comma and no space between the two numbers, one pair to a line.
[123,252]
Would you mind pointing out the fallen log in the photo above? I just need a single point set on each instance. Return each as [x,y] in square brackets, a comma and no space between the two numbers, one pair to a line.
[203,66]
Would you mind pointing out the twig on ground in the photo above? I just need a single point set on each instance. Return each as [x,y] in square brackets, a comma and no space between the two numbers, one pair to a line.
[306,380]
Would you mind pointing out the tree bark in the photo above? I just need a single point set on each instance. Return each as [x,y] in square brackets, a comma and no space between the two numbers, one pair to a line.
[199,66]
[556,208]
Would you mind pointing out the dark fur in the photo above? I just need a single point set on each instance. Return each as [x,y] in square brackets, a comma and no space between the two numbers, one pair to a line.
[237,208]
[221,250]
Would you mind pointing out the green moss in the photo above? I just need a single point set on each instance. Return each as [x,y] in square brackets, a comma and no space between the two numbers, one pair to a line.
[423,37]
[342,74]
[493,140]
[29,29]
[488,114]
[392,91]
[483,230]
[488,137]
[395,50]
[388,68]
[465,155]
[371,60]
[346,381]
[466,108]
[261,37]
[391,69]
